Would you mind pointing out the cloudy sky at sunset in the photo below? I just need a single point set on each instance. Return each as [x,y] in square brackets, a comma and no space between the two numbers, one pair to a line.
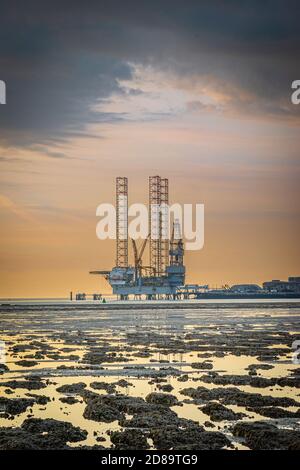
[198,92]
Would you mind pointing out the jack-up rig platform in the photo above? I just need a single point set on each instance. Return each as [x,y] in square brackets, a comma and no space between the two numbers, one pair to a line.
[165,273]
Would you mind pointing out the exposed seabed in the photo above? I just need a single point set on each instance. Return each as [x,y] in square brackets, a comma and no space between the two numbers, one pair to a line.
[157,374]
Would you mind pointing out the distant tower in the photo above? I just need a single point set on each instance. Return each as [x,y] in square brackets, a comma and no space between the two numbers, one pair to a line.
[122,221]
[164,198]
[176,245]
[159,224]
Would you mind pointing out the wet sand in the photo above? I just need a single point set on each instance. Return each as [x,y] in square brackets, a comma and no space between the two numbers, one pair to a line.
[183,375]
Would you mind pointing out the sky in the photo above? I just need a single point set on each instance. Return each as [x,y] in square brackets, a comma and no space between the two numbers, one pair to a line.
[198,92]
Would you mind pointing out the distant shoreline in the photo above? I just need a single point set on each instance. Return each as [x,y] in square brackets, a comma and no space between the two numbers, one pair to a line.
[57,304]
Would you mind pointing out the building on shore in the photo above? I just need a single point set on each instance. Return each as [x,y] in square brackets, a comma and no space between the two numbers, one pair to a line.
[245,288]
[276,285]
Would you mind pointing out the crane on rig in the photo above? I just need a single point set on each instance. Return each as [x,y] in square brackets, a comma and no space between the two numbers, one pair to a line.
[138,257]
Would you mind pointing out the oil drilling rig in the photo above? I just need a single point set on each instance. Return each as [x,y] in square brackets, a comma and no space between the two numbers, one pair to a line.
[165,272]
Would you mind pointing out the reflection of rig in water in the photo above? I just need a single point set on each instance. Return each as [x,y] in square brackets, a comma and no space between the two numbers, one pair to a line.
[165,273]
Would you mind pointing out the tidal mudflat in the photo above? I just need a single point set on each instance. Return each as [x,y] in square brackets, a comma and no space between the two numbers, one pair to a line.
[206,377]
